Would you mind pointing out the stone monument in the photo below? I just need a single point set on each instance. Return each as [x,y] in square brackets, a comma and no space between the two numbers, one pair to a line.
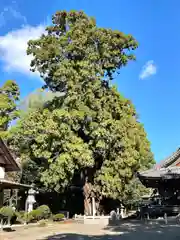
[30,200]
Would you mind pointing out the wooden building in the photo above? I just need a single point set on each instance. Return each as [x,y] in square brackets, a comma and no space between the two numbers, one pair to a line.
[164,176]
[8,164]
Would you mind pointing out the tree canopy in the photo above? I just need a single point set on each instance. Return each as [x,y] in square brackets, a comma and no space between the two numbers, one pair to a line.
[75,51]
[38,100]
[9,95]
[92,132]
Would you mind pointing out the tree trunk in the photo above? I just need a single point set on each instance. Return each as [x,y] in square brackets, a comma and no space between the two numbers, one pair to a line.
[1,224]
[87,199]
[87,207]
[9,221]
[97,207]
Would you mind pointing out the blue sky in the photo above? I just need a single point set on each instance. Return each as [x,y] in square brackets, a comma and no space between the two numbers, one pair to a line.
[152,82]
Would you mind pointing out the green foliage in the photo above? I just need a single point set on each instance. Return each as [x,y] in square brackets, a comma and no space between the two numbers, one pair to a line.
[37,100]
[134,191]
[58,217]
[42,223]
[6,214]
[44,212]
[33,216]
[21,216]
[9,95]
[92,131]
[77,51]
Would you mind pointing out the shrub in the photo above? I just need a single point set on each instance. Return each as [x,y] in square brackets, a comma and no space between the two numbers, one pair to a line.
[28,217]
[33,216]
[58,217]
[44,212]
[20,216]
[42,223]
[7,213]
[14,219]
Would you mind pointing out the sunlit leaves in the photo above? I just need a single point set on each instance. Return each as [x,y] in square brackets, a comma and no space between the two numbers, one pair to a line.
[9,95]
[92,131]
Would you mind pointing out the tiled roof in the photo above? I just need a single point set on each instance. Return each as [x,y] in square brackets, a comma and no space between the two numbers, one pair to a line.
[169,160]
[10,185]
[163,172]
[10,163]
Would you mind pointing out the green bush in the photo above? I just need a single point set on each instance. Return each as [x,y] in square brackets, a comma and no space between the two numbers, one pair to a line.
[28,217]
[21,216]
[14,219]
[58,217]
[33,216]
[42,223]
[7,213]
[44,212]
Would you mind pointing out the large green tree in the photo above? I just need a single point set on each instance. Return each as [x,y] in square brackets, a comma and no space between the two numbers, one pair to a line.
[92,132]
[9,95]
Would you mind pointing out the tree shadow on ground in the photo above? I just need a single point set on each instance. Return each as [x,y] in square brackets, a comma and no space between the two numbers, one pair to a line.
[130,230]
[74,236]
[137,229]
[8,229]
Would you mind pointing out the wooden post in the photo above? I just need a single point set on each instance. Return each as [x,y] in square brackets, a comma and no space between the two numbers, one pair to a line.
[165,218]
[93,207]
[16,197]
[146,217]
[1,197]
[11,196]
[2,224]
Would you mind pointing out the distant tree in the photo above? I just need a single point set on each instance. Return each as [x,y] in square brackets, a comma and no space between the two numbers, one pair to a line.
[38,99]
[9,95]
[92,132]
[134,192]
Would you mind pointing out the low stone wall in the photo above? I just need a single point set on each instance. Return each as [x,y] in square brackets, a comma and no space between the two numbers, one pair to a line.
[100,220]
[103,221]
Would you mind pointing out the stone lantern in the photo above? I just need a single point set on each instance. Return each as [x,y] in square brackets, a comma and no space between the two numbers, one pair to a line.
[9,164]
[30,200]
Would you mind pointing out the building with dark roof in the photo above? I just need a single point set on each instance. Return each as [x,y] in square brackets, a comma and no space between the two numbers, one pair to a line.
[164,176]
[8,164]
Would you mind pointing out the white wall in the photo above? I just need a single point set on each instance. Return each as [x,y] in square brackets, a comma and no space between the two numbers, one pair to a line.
[2,172]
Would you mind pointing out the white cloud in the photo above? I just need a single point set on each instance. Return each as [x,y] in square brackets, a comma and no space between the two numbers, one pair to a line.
[148,70]
[13,47]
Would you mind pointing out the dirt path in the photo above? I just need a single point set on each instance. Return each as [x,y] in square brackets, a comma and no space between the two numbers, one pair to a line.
[126,231]
[42,233]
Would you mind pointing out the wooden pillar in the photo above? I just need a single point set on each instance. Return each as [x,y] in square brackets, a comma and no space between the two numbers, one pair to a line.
[165,218]
[16,197]
[1,197]
[11,196]
[93,207]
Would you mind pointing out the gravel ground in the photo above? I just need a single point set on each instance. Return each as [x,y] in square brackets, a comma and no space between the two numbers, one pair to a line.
[131,230]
